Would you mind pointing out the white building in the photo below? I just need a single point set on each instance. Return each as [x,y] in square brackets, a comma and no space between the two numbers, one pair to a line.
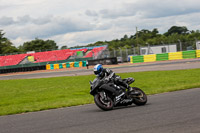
[158,49]
[198,45]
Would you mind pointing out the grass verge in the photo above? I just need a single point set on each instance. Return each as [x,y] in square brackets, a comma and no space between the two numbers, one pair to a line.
[27,95]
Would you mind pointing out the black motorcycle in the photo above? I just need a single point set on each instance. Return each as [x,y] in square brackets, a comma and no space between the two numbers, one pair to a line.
[108,95]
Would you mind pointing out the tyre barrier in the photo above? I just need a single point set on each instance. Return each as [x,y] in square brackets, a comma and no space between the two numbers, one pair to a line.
[175,56]
[162,57]
[198,53]
[150,58]
[66,65]
[165,56]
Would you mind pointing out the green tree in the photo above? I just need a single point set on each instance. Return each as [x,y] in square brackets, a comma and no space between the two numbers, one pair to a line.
[6,47]
[124,38]
[144,37]
[64,47]
[177,29]
[39,45]
[155,32]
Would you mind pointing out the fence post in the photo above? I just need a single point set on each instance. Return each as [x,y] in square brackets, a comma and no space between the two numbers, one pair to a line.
[139,50]
[180,43]
[126,55]
[168,49]
[114,53]
[109,53]
[133,49]
[197,46]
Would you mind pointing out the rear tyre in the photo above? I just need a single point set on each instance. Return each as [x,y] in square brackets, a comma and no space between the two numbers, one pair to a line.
[140,99]
[102,103]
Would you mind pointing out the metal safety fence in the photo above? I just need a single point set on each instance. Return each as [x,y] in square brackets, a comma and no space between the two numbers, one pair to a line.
[162,50]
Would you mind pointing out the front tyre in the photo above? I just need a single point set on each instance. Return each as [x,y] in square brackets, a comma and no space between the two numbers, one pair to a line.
[140,99]
[102,103]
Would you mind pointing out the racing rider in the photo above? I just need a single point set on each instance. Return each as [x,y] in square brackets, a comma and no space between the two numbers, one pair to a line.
[109,74]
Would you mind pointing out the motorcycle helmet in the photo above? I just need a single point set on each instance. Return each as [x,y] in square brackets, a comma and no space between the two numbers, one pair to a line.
[98,69]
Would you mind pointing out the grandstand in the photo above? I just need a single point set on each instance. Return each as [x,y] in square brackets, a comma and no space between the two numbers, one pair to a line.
[38,58]
[95,52]
[11,59]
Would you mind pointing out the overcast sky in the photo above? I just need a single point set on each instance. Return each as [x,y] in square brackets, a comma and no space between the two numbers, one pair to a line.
[80,22]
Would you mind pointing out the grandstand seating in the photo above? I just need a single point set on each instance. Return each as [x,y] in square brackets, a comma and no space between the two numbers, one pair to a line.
[11,59]
[52,55]
[94,52]
[47,56]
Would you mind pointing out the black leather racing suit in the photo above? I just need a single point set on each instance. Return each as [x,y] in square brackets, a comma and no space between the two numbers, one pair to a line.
[110,75]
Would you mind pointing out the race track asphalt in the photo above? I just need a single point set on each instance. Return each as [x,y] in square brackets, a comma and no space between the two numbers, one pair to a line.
[174,112]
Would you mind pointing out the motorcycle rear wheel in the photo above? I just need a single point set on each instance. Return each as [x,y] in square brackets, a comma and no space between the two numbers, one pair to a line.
[140,99]
[103,104]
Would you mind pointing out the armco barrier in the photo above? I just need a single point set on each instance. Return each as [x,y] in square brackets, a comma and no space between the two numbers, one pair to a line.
[198,53]
[150,58]
[165,56]
[162,57]
[138,59]
[131,59]
[175,56]
[189,54]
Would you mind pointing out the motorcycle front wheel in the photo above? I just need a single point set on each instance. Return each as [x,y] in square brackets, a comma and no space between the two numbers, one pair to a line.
[103,103]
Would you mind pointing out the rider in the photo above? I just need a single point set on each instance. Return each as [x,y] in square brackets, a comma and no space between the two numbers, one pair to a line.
[102,72]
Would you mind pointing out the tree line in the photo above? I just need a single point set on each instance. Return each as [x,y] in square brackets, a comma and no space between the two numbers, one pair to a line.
[145,37]
[140,38]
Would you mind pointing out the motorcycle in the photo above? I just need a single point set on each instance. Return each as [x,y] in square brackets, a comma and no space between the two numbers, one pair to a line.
[108,95]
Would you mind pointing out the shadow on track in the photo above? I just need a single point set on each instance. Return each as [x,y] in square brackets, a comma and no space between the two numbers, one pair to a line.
[118,108]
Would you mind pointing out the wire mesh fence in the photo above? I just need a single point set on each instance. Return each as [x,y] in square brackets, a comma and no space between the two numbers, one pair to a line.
[123,53]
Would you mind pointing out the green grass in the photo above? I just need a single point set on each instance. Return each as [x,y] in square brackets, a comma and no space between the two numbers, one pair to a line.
[26,95]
